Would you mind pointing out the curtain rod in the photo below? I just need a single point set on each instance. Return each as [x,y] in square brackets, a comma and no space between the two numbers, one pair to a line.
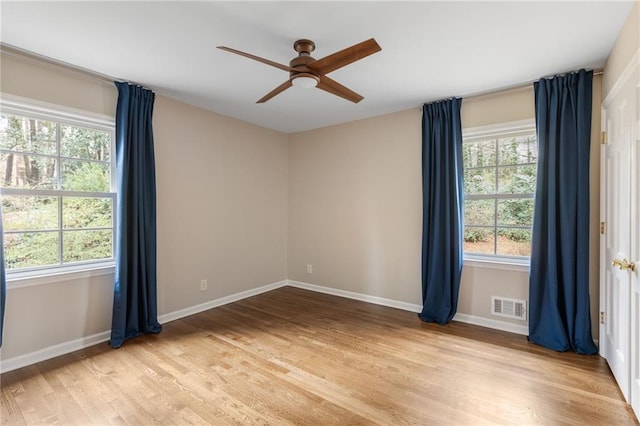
[16,51]
[596,72]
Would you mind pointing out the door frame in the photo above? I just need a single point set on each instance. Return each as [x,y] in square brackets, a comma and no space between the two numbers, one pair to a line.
[635,246]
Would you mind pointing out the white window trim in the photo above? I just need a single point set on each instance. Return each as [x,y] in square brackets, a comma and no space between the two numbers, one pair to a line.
[495,261]
[22,279]
[506,263]
[34,106]
[19,105]
[502,128]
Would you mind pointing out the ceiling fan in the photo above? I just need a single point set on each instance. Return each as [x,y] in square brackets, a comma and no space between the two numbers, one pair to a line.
[306,71]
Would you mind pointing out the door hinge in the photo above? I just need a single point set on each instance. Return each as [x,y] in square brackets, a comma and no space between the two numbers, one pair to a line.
[602,227]
[603,138]
[602,317]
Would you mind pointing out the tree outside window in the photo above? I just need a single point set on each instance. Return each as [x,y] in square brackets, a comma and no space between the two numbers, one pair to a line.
[57,198]
[499,183]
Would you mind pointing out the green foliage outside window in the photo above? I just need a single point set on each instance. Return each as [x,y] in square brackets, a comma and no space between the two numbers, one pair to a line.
[499,181]
[59,227]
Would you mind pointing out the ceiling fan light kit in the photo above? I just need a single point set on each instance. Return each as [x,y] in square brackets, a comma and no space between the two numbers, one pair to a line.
[307,72]
[304,80]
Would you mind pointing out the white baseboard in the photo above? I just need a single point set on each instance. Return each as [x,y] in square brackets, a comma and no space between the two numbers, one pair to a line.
[53,351]
[84,342]
[491,323]
[469,319]
[172,316]
[357,296]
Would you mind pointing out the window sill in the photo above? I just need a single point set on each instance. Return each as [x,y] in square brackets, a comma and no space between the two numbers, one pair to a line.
[50,276]
[499,263]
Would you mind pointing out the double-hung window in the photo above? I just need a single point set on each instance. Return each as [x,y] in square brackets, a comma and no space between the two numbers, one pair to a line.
[499,180]
[58,193]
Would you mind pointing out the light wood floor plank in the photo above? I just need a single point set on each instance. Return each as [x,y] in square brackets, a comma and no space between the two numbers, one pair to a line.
[294,357]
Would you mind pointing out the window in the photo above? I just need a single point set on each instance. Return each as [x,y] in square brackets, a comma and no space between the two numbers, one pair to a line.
[499,181]
[58,197]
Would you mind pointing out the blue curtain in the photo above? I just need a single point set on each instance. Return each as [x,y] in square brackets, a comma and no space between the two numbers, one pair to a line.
[559,315]
[135,300]
[3,279]
[443,209]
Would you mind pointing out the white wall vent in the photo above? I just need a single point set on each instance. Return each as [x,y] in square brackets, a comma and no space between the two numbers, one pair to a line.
[510,308]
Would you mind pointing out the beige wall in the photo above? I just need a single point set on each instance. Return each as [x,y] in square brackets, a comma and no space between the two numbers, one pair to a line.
[627,45]
[31,78]
[355,206]
[222,211]
[355,209]
[222,205]
[501,107]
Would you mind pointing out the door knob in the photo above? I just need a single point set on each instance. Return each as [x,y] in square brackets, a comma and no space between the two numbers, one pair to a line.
[623,264]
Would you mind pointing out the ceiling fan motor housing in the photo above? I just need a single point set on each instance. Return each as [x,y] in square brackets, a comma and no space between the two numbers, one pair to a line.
[304,47]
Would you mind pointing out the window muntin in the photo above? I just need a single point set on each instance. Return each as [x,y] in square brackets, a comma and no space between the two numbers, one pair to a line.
[58,197]
[499,179]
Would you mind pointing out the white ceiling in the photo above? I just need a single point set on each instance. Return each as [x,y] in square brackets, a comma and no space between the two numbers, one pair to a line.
[430,50]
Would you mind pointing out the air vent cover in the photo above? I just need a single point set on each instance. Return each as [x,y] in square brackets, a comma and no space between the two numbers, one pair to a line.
[510,308]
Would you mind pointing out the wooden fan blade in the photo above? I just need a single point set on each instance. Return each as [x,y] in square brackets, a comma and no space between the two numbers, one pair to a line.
[335,88]
[345,57]
[256,58]
[284,86]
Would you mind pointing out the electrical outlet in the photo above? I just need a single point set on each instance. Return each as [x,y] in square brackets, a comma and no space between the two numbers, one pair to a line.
[309,268]
[203,285]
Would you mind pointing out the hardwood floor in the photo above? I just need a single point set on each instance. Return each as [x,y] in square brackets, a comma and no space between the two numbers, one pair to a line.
[292,356]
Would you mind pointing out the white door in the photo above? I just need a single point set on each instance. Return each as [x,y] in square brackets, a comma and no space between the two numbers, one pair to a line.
[619,245]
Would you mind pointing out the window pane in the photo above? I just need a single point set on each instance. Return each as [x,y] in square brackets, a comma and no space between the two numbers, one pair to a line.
[86,245]
[496,166]
[514,242]
[27,135]
[43,157]
[29,249]
[518,211]
[517,179]
[27,171]
[479,154]
[479,240]
[89,144]
[518,150]
[479,181]
[479,212]
[84,212]
[85,176]
[24,213]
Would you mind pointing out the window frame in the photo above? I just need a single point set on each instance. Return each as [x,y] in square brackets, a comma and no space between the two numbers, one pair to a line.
[15,105]
[474,134]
